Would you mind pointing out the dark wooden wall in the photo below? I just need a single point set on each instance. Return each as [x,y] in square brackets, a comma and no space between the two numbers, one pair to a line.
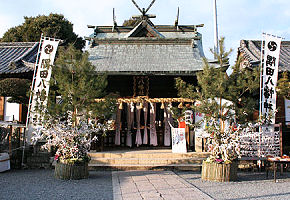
[159,86]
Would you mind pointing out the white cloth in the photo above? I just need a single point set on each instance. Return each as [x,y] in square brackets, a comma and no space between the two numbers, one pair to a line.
[145,136]
[118,123]
[153,134]
[138,140]
[130,120]
[167,128]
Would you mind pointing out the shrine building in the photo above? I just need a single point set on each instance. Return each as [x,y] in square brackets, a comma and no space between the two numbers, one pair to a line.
[142,62]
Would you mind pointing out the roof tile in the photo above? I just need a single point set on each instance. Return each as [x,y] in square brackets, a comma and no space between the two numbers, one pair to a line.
[17,57]
[252,52]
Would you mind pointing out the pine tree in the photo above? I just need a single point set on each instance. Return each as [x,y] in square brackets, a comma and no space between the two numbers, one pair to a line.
[76,81]
[283,85]
[214,85]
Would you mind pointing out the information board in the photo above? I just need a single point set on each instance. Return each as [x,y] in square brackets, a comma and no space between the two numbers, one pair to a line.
[178,140]
[256,144]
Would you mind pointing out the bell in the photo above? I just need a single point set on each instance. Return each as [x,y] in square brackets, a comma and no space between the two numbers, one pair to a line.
[121,106]
[180,106]
[162,105]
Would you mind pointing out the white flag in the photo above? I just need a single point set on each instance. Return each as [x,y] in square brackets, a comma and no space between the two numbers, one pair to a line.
[270,76]
[41,84]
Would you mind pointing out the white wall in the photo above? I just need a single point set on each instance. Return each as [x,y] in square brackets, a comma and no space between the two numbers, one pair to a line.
[10,110]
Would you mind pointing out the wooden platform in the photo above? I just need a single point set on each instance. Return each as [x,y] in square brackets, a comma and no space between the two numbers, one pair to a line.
[158,159]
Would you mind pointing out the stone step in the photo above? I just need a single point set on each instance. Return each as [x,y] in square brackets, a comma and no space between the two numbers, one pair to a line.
[161,159]
[112,167]
[149,155]
[146,160]
[183,167]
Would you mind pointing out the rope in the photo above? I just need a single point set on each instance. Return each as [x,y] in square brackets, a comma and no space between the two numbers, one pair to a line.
[141,99]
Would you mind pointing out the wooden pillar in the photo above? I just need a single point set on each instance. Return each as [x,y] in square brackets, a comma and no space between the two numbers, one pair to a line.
[1,108]
[20,112]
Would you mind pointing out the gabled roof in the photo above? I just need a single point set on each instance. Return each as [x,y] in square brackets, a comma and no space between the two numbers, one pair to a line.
[251,51]
[146,49]
[147,56]
[17,57]
[144,29]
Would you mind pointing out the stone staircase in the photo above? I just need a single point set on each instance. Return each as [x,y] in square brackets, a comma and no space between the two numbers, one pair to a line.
[161,159]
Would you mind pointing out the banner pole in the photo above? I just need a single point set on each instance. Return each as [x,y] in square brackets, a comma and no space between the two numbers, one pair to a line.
[261,96]
[33,80]
[30,98]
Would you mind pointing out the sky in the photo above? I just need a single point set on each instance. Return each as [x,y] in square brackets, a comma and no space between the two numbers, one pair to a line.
[237,19]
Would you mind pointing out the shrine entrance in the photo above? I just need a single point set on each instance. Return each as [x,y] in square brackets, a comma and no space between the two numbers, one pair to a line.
[142,122]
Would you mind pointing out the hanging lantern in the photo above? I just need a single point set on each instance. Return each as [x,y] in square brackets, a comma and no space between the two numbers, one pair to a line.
[162,105]
[121,106]
[180,106]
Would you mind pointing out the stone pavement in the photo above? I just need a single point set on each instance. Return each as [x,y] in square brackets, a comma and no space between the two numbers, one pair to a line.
[110,185]
[165,185]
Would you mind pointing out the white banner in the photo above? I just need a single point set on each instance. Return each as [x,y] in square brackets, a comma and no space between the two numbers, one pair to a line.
[178,140]
[40,88]
[43,74]
[270,76]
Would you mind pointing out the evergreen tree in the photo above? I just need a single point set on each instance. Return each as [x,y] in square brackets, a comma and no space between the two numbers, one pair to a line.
[53,25]
[15,88]
[75,79]
[132,22]
[283,85]
[214,85]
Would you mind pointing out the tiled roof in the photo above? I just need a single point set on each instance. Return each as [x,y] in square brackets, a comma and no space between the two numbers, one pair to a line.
[251,50]
[146,49]
[17,57]
[147,55]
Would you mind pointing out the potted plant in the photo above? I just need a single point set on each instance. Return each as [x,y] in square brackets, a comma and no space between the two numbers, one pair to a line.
[72,116]
[222,163]
[72,144]
[224,101]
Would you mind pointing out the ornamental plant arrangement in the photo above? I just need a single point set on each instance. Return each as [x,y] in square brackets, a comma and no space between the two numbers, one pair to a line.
[225,102]
[72,119]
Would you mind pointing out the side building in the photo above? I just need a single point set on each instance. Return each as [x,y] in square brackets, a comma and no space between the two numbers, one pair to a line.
[16,63]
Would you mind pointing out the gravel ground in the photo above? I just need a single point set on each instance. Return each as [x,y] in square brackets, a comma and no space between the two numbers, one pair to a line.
[250,185]
[40,184]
